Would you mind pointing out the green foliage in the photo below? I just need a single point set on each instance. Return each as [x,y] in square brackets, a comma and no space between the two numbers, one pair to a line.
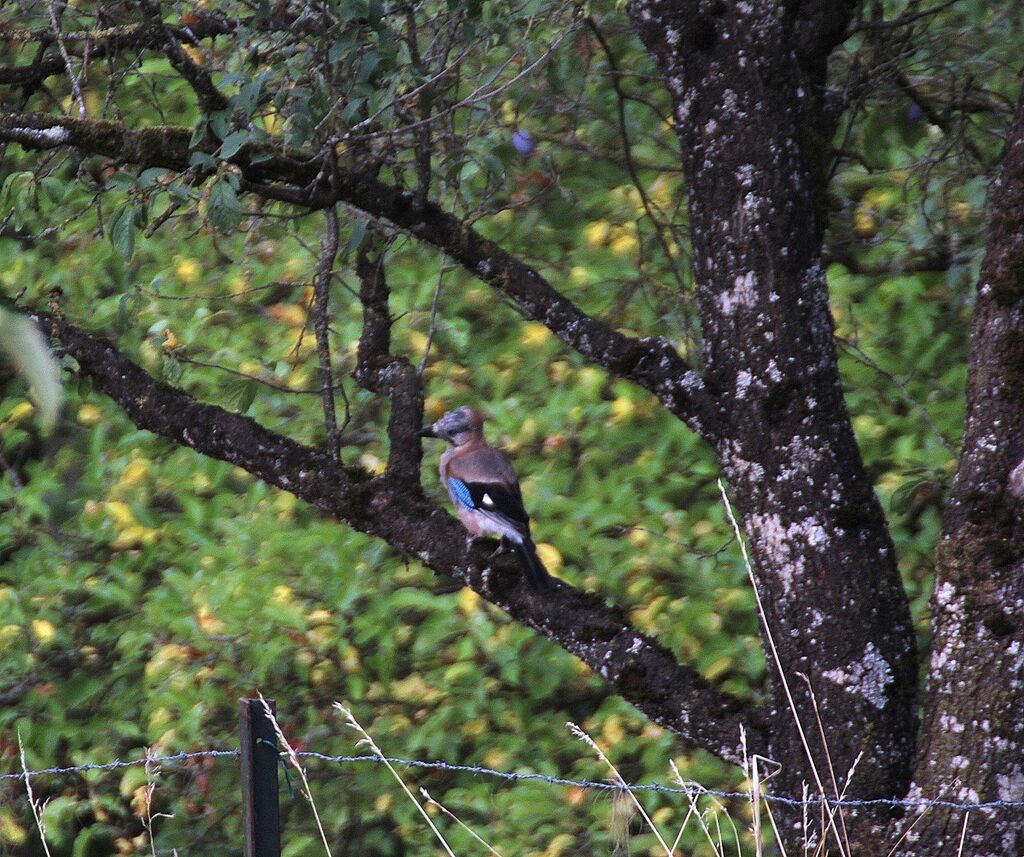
[143,589]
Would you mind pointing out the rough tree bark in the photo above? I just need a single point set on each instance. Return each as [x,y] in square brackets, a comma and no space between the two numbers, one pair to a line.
[972,743]
[748,84]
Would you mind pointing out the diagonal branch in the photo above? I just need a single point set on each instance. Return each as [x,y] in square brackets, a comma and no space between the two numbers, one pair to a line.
[297,177]
[210,98]
[642,671]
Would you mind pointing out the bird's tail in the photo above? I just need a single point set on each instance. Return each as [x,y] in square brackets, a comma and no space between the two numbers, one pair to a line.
[536,575]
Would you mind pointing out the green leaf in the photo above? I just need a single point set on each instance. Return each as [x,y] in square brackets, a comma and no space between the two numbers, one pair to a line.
[355,239]
[151,175]
[241,393]
[220,123]
[232,143]
[225,211]
[24,345]
[14,196]
[122,232]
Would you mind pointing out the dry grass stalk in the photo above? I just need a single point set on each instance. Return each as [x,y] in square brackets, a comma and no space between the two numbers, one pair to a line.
[37,806]
[459,822]
[369,742]
[770,639]
[583,736]
[146,815]
[294,759]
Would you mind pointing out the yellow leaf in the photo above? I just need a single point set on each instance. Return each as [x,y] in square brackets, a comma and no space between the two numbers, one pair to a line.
[120,511]
[624,241]
[89,415]
[865,223]
[623,410]
[195,54]
[209,623]
[372,463]
[187,270]
[578,274]
[433,407]
[21,411]
[535,334]
[469,601]
[660,191]
[320,617]
[134,536]
[597,233]
[171,341]
[44,630]
[293,267]
[133,474]
[509,113]
[10,831]
[960,211]
[614,730]
[717,667]
[638,537]
[550,556]
[292,315]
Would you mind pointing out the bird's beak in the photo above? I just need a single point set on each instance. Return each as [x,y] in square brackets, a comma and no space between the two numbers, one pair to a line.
[427,432]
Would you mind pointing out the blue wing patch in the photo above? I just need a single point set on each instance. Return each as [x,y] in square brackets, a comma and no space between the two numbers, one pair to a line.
[460,491]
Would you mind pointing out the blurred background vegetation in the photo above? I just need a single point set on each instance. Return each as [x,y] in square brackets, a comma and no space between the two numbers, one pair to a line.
[144,589]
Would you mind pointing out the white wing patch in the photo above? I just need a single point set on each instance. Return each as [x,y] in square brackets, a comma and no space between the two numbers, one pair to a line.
[487,501]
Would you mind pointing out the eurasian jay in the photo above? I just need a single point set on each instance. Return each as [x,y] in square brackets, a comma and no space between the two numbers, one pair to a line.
[484,488]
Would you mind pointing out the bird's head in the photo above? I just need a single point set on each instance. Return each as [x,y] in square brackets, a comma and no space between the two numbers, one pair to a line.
[457,427]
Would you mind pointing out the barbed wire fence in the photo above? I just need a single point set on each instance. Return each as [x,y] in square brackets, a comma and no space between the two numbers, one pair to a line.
[260,758]
[515,776]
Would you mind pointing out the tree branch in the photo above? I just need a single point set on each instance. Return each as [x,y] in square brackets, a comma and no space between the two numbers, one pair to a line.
[642,671]
[210,98]
[379,371]
[297,177]
[979,578]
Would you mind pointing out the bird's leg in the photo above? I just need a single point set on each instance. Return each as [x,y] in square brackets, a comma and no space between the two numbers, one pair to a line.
[503,546]
[472,540]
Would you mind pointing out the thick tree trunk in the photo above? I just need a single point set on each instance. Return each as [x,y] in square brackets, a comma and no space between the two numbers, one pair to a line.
[972,746]
[747,80]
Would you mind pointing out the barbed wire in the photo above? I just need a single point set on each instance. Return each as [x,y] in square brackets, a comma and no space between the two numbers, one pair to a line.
[514,776]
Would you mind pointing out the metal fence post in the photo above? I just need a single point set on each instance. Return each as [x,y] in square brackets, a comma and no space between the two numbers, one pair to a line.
[261,815]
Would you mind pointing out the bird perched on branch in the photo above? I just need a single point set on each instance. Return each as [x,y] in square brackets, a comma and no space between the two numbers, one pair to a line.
[485,490]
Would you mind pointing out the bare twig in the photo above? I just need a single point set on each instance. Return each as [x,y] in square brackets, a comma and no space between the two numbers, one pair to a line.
[864,358]
[432,329]
[281,388]
[321,301]
[76,89]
